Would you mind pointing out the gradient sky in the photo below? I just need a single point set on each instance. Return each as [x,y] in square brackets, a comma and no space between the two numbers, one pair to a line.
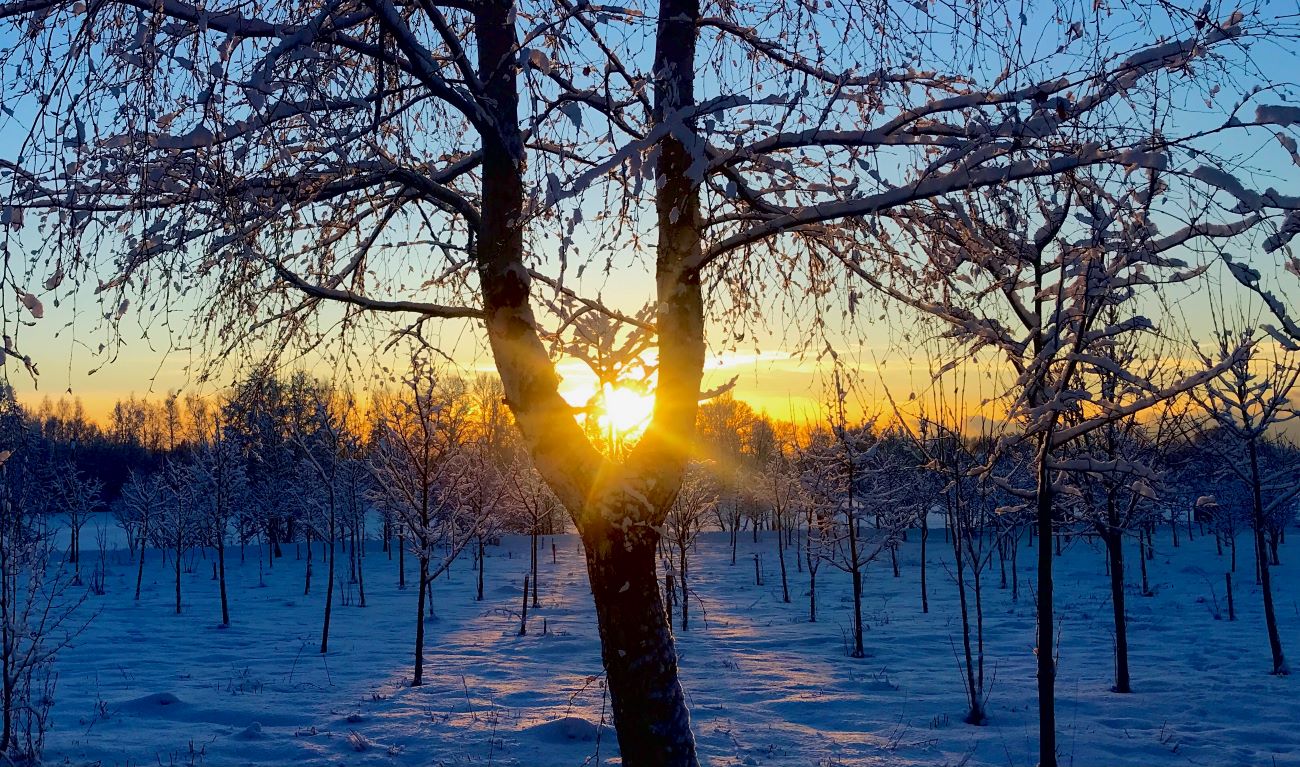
[776,370]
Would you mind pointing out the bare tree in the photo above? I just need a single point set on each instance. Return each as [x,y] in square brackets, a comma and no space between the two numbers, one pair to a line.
[220,490]
[532,509]
[77,497]
[695,501]
[143,497]
[178,525]
[1043,275]
[421,469]
[1247,404]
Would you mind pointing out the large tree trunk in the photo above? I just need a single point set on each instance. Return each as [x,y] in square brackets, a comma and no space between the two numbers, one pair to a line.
[650,714]
[1046,649]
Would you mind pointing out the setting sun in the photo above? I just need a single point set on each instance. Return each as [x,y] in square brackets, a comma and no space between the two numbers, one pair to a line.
[623,409]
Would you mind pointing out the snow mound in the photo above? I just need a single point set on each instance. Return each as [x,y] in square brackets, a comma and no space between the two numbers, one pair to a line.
[564,730]
[152,703]
[252,732]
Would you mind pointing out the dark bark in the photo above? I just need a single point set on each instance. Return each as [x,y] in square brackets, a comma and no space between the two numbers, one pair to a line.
[1115,555]
[139,572]
[329,589]
[780,555]
[925,537]
[640,658]
[221,578]
[1046,649]
[1265,579]
[534,568]
[417,678]
[479,596]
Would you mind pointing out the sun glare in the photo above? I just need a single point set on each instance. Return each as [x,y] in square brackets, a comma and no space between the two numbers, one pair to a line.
[624,410]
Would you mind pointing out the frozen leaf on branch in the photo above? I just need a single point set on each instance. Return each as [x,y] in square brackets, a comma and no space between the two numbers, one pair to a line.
[56,279]
[538,60]
[1277,114]
[33,305]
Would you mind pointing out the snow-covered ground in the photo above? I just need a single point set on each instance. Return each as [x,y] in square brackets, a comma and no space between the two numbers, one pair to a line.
[144,686]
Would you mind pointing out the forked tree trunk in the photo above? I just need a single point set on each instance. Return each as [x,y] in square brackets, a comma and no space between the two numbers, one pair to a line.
[650,714]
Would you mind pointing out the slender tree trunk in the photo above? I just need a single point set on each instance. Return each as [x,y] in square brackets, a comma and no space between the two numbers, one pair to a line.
[1115,551]
[780,555]
[735,534]
[686,600]
[534,569]
[479,596]
[306,585]
[139,573]
[361,575]
[925,537]
[329,590]
[221,578]
[812,594]
[417,678]
[1265,579]
[1146,584]
[178,569]
[859,649]
[975,713]
[401,561]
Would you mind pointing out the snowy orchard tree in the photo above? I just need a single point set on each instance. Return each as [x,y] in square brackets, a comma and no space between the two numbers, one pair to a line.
[325,444]
[293,156]
[691,508]
[220,490]
[1247,405]
[179,525]
[142,501]
[951,462]
[1038,277]
[421,469]
[1117,474]
[863,477]
[823,486]
[77,497]
[529,508]
[788,502]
